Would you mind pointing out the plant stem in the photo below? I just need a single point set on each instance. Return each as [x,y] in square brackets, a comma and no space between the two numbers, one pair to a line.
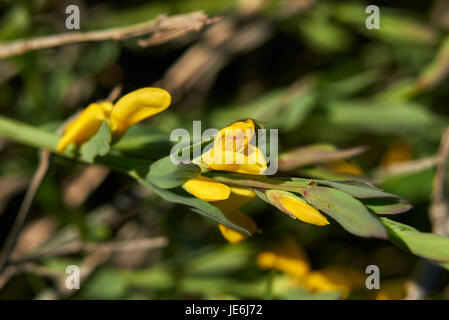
[26,134]
[32,136]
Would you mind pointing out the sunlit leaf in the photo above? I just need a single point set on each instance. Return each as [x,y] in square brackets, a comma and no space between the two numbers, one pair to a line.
[427,245]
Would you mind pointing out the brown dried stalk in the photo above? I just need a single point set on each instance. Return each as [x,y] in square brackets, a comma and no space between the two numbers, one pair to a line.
[173,27]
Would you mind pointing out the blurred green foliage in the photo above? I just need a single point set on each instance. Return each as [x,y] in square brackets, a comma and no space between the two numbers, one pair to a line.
[321,77]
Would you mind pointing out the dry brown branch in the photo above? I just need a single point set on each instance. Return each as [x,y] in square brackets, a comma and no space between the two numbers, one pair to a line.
[79,246]
[115,93]
[11,185]
[44,162]
[102,252]
[422,284]
[196,70]
[11,271]
[181,24]
[98,253]
[439,208]
[404,168]
[82,183]
[198,67]
[313,154]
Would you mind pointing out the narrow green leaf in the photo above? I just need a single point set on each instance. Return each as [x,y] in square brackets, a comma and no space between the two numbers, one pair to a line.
[381,117]
[358,189]
[165,174]
[427,245]
[349,212]
[98,145]
[387,205]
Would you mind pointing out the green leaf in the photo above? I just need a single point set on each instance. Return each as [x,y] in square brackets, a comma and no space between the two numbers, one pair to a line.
[98,145]
[264,182]
[165,174]
[437,71]
[358,189]
[202,207]
[427,245]
[347,211]
[384,118]
[387,205]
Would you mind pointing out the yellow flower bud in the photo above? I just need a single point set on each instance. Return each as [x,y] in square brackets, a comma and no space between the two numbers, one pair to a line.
[303,211]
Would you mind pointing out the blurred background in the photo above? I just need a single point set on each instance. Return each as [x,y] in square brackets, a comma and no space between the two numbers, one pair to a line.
[309,68]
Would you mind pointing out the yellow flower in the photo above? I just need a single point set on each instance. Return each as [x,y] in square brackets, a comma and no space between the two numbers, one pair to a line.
[229,207]
[291,259]
[333,279]
[288,257]
[130,109]
[85,125]
[392,290]
[233,152]
[239,218]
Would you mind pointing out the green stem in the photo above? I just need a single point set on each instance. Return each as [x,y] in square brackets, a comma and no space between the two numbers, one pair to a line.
[32,136]
[26,134]
[263,182]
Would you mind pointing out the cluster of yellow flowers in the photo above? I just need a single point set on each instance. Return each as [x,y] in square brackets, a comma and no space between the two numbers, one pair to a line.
[245,158]
[127,111]
[248,159]
[290,258]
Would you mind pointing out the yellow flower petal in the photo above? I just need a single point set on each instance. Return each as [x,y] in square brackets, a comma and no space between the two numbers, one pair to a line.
[231,235]
[207,189]
[303,211]
[333,279]
[392,290]
[239,218]
[235,137]
[288,257]
[85,125]
[250,161]
[255,162]
[137,106]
